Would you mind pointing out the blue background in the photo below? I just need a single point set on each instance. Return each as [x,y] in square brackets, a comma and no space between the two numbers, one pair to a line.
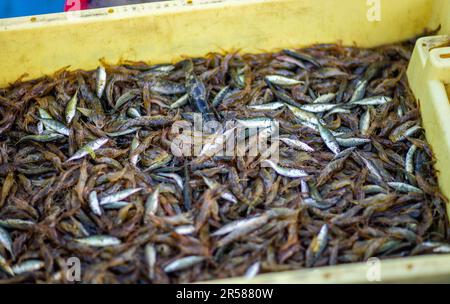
[16,8]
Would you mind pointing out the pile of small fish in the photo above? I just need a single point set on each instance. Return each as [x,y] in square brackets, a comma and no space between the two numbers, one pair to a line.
[87,171]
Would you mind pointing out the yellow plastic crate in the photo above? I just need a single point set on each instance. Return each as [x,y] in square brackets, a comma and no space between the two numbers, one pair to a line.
[167,31]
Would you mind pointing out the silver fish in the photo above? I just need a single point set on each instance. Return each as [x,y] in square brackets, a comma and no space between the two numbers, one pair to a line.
[100,81]
[99,241]
[364,122]
[17,224]
[303,115]
[152,203]
[304,188]
[360,91]
[134,144]
[325,98]
[256,122]
[115,205]
[337,110]
[119,196]
[71,108]
[409,160]
[297,144]
[42,137]
[329,139]
[150,255]
[121,133]
[267,106]
[372,101]
[352,142]
[322,205]
[182,101]
[126,97]
[319,243]
[28,266]
[373,170]
[94,204]
[185,229]
[402,187]
[4,265]
[373,189]
[56,126]
[237,225]
[288,172]
[40,128]
[283,81]
[43,114]
[318,107]
[253,270]
[133,112]
[178,180]
[183,263]
[5,240]
[91,146]
[221,96]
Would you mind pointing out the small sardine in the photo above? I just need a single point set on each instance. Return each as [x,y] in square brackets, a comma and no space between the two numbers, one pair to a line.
[152,203]
[372,101]
[352,142]
[91,146]
[17,224]
[133,112]
[5,267]
[257,122]
[94,204]
[122,133]
[360,91]
[178,180]
[183,263]
[121,195]
[303,115]
[329,139]
[99,241]
[364,122]
[100,81]
[318,107]
[126,97]
[409,160]
[297,144]
[5,240]
[43,114]
[180,102]
[267,106]
[150,255]
[253,270]
[282,81]
[42,138]
[56,126]
[325,98]
[71,108]
[28,266]
[405,188]
[288,172]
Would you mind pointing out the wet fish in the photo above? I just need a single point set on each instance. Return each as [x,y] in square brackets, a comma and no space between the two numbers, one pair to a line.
[100,81]
[71,108]
[86,149]
[118,196]
[183,263]
[288,172]
[99,241]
